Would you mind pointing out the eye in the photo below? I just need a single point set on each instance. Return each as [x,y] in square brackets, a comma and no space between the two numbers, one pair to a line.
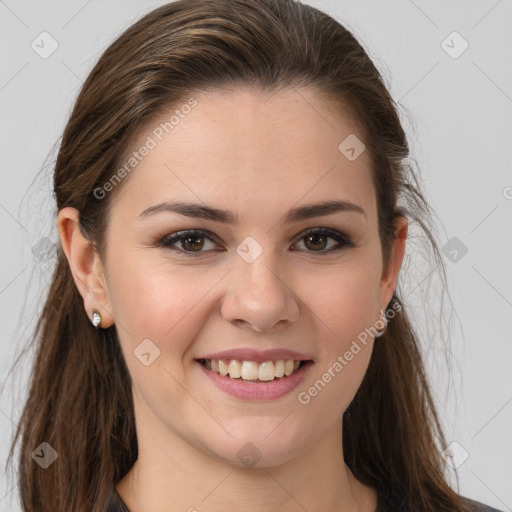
[195,242]
[191,241]
[316,240]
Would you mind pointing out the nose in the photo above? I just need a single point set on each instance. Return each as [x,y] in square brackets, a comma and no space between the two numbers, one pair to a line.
[258,297]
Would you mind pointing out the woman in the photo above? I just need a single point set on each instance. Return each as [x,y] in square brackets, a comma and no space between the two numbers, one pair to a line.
[224,329]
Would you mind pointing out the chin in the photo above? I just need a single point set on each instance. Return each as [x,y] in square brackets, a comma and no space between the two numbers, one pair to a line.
[256,445]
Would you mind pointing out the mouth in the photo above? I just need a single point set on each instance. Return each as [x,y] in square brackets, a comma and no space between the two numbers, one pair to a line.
[253,371]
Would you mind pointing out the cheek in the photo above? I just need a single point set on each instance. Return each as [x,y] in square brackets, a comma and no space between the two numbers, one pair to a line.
[156,302]
[345,310]
[345,304]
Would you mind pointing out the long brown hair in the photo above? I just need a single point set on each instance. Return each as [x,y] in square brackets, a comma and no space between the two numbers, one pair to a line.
[80,399]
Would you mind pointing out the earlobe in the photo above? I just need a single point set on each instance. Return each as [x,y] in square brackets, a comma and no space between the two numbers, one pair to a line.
[85,266]
[390,275]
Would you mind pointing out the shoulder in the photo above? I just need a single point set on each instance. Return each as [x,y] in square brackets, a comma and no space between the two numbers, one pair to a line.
[115,503]
[387,503]
[480,507]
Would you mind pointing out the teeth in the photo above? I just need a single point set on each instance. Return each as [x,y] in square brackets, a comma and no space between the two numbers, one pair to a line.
[223,368]
[234,369]
[266,371]
[279,368]
[288,367]
[250,370]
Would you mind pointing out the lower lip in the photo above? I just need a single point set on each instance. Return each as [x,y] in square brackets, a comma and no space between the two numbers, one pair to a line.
[247,390]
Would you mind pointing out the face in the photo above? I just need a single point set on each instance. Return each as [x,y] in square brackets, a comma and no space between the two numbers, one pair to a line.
[266,276]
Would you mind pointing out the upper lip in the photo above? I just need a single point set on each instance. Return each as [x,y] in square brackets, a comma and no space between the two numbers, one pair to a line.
[258,356]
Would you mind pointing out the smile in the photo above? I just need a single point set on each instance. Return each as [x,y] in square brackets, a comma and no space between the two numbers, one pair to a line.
[251,370]
[250,380]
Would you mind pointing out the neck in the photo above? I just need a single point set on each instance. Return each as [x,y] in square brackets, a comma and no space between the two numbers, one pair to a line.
[192,480]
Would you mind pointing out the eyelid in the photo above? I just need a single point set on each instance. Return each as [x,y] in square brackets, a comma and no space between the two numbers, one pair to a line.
[342,238]
[168,240]
[334,233]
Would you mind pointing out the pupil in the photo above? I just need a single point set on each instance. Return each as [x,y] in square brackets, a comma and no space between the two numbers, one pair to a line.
[315,237]
[195,240]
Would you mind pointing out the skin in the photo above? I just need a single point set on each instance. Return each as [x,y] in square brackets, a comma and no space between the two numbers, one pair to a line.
[258,156]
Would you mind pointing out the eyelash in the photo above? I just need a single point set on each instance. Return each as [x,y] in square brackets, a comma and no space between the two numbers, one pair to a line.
[169,240]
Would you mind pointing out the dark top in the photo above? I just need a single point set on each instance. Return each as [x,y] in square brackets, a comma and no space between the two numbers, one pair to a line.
[384,504]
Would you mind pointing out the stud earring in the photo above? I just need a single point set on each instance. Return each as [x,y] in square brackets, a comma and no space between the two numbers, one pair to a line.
[96,318]
[383,316]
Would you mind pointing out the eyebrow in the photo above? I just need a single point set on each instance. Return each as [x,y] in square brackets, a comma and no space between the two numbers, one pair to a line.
[297,214]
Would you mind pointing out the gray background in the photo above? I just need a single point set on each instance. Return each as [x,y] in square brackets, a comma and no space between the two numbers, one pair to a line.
[457,112]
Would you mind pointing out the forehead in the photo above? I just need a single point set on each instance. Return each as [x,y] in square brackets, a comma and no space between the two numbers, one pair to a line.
[249,147]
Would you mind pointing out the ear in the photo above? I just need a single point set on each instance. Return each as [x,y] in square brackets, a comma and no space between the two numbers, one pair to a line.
[390,274]
[85,265]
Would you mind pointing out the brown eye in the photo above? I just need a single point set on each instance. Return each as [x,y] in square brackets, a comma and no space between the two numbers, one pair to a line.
[189,242]
[316,240]
[192,243]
